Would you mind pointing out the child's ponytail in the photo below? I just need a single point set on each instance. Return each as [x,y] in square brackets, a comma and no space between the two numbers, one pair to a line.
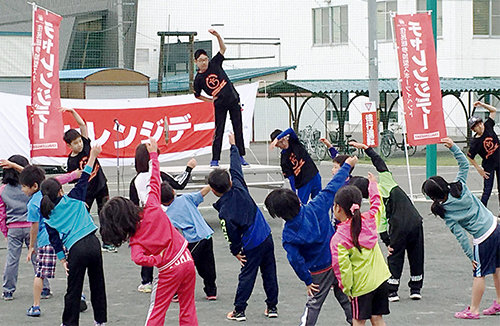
[50,190]
[349,199]
[437,189]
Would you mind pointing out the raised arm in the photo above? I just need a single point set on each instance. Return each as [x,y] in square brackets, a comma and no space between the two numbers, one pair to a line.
[79,121]
[287,132]
[463,164]
[68,177]
[235,162]
[80,190]
[205,190]
[492,109]
[6,164]
[374,196]
[222,46]
[155,182]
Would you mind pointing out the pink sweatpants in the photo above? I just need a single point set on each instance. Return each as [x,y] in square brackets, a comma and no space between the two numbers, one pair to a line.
[180,278]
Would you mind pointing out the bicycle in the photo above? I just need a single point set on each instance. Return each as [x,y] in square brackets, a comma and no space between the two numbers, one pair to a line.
[388,143]
[342,145]
[309,137]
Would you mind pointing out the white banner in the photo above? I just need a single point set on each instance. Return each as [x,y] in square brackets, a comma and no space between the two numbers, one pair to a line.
[14,123]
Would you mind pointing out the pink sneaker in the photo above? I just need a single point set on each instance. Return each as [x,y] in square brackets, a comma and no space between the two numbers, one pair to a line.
[493,309]
[466,314]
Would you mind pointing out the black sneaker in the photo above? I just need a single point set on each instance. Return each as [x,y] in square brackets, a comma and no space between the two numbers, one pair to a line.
[238,316]
[271,312]
[415,294]
[393,297]
[83,303]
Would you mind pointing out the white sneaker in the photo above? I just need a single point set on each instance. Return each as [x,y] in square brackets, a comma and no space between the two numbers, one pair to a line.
[145,288]
[393,297]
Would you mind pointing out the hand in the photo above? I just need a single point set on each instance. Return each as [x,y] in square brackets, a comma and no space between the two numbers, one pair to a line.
[231,138]
[213,32]
[242,258]
[70,110]
[326,142]
[371,177]
[477,103]
[390,250]
[273,143]
[95,151]
[78,173]
[484,174]
[358,145]
[192,163]
[30,254]
[312,288]
[6,164]
[152,146]
[64,262]
[447,142]
[474,264]
[352,160]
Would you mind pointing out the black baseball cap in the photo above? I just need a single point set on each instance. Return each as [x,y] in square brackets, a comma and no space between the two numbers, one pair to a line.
[474,121]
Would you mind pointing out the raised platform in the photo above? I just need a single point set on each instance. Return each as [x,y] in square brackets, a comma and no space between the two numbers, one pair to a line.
[257,176]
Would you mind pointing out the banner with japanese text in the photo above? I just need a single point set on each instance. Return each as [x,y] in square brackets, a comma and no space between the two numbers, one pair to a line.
[119,125]
[44,118]
[370,130]
[420,87]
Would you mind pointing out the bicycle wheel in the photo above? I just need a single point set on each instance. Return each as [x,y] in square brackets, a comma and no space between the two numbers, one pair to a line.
[320,151]
[386,146]
[411,150]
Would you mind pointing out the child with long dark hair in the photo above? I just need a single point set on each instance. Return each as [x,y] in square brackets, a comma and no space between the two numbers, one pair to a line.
[464,213]
[69,223]
[357,260]
[154,242]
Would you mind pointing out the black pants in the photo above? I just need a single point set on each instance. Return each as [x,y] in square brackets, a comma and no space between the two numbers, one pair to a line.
[101,197]
[220,123]
[204,260]
[261,257]
[413,244]
[85,255]
[488,185]
[146,275]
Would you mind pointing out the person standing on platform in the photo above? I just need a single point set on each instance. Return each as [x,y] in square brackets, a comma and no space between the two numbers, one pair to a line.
[212,79]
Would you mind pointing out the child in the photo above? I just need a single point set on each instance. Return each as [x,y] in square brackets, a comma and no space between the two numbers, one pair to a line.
[212,78]
[45,257]
[356,256]
[296,164]
[80,149]
[463,212]
[138,194]
[485,143]
[185,216]
[68,216]
[405,231]
[306,238]
[248,233]
[13,222]
[154,242]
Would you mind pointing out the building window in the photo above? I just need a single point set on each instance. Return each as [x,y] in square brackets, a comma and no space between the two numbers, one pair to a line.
[330,25]
[384,8]
[486,16]
[88,41]
[422,6]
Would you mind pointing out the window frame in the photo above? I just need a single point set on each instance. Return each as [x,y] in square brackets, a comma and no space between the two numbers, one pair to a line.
[490,22]
[387,21]
[332,28]
[439,15]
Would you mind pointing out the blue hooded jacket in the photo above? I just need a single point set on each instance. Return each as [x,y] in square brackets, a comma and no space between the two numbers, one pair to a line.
[306,237]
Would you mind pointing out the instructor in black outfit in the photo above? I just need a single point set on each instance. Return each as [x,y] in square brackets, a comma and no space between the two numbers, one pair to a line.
[212,79]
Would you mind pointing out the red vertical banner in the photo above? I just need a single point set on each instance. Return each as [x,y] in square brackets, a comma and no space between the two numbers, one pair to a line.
[420,87]
[370,130]
[44,119]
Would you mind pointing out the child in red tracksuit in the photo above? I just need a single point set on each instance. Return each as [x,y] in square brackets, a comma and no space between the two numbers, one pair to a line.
[154,242]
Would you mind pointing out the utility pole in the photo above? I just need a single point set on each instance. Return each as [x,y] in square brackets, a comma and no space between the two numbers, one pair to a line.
[372,53]
[119,14]
[431,150]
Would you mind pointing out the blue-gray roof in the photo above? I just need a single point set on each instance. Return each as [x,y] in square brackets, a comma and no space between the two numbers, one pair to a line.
[180,83]
[384,85]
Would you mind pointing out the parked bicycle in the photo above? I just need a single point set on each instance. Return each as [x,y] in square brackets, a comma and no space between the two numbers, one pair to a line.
[309,137]
[388,143]
[342,145]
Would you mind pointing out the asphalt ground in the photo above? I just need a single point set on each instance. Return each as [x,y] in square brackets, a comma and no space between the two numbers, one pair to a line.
[447,283]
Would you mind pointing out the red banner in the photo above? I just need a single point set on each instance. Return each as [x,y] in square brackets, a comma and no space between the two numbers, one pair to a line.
[119,131]
[44,120]
[422,101]
[370,130]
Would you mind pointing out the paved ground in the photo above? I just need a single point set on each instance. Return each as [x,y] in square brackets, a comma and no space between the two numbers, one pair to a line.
[447,284]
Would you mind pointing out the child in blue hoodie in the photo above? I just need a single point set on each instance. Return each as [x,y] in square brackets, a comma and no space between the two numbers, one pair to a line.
[306,239]
[248,233]
[463,213]
[69,223]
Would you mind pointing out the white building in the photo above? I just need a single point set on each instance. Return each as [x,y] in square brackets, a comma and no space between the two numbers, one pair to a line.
[326,39]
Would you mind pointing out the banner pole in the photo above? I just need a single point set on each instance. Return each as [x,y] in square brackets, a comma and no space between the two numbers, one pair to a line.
[393,14]
[431,150]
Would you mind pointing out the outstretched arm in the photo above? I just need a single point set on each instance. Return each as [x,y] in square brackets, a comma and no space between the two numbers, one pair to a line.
[222,46]
[79,121]
[155,182]
[235,162]
[492,109]
[463,165]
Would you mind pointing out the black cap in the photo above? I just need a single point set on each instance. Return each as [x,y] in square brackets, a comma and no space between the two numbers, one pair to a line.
[474,121]
[275,134]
